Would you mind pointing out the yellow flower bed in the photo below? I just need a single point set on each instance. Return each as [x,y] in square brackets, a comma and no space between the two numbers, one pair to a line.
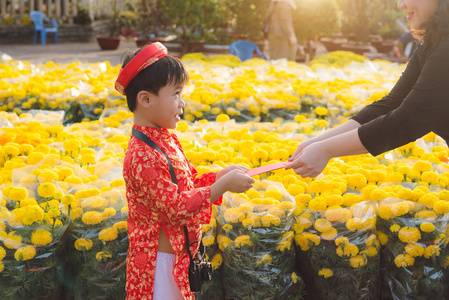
[66,180]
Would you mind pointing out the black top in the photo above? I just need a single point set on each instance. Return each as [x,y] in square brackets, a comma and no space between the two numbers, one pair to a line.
[417,104]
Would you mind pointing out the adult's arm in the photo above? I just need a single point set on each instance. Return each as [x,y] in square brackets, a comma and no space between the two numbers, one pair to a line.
[424,109]
[395,97]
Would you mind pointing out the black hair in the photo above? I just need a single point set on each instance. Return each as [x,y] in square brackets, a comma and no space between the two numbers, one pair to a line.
[168,70]
[436,29]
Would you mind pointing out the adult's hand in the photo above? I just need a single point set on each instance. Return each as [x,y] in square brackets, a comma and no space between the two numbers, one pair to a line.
[310,161]
[300,148]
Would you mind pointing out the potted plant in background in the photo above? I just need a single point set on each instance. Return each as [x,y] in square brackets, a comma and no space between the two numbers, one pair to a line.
[112,41]
[128,22]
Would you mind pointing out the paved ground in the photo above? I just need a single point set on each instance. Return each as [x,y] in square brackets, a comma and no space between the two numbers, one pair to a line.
[66,52]
[84,52]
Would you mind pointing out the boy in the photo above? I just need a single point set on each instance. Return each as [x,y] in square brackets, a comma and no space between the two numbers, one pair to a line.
[158,261]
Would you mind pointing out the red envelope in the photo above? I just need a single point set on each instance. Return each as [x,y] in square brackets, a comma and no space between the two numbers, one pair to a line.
[267,168]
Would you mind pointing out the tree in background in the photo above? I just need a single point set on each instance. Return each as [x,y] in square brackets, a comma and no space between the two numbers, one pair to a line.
[364,17]
[247,17]
[315,18]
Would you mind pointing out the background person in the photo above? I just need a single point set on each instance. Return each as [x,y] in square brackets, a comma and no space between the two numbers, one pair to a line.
[281,34]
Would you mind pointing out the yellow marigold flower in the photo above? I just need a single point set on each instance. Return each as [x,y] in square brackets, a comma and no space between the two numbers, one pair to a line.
[54,213]
[395,228]
[409,234]
[33,213]
[249,223]
[353,224]
[386,212]
[382,237]
[252,193]
[295,277]
[117,183]
[48,176]
[273,194]
[302,241]
[358,261]
[108,234]
[108,212]
[404,260]
[323,225]
[422,166]
[378,195]
[326,273]
[329,235]
[414,249]
[264,260]
[426,214]
[443,195]
[41,237]
[2,266]
[216,261]
[68,200]
[17,193]
[441,207]
[83,244]
[318,203]
[46,189]
[427,227]
[348,250]
[243,240]
[208,240]
[246,207]
[12,241]
[121,226]
[100,256]
[72,145]
[92,218]
[2,253]
[431,251]
[332,200]
[222,118]
[321,111]
[303,198]
[428,200]
[341,240]
[223,242]
[269,220]
[295,189]
[25,253]
[304,220]
[234,215]
[370,251]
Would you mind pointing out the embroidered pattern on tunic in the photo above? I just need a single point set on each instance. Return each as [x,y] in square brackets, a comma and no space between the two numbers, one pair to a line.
[154,204]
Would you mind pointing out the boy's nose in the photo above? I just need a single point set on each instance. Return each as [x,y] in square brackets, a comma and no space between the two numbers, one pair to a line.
[401,4]
[182,102]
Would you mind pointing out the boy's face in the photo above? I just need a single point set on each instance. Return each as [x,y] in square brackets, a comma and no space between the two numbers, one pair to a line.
[165,109]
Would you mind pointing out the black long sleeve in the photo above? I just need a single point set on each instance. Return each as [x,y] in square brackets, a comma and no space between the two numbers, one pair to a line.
[417,104]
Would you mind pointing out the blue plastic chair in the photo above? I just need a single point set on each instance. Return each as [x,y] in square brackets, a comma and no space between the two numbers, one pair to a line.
[244,50]
[38,19]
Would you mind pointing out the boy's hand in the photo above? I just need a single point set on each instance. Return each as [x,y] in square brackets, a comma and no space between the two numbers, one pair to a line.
[237,181]
[228,169]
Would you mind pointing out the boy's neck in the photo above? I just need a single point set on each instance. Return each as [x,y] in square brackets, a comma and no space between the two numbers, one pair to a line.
[142,122]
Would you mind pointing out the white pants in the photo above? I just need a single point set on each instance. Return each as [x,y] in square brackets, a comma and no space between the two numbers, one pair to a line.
[165,287]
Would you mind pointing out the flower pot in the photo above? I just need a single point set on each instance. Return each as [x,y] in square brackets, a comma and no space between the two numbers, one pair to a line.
[108,43]
[357,49]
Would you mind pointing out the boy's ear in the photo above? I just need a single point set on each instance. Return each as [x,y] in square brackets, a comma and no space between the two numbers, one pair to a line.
[144,99]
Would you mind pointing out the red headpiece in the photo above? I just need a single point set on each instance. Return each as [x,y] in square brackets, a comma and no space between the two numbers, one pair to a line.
[147,56]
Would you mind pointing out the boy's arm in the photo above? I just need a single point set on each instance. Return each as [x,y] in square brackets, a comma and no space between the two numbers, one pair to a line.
[161,195]
[206,179]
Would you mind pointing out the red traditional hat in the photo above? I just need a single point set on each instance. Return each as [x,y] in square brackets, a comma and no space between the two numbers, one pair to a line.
[147,56]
